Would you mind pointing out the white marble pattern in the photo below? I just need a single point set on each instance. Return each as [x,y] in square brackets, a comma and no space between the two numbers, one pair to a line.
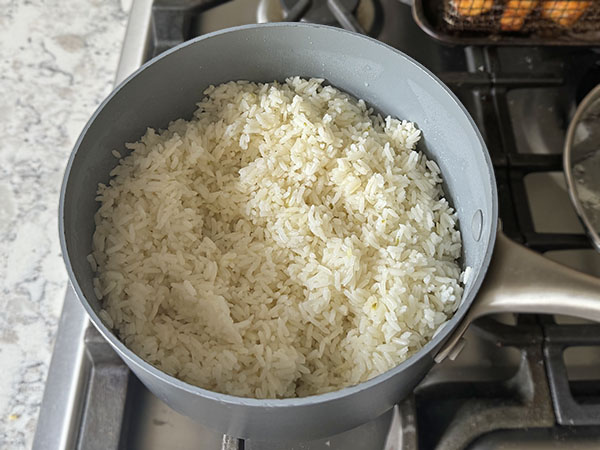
[57,62]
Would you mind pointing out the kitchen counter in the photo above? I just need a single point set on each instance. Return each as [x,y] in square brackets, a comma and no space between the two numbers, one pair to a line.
[57,63]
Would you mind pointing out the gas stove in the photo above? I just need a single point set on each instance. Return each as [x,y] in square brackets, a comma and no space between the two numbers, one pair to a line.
[521,382]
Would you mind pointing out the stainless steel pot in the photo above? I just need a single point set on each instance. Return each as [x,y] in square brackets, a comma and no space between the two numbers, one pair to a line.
[581,160]
[168,87]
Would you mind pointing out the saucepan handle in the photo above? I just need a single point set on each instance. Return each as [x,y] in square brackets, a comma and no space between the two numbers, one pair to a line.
[520,280]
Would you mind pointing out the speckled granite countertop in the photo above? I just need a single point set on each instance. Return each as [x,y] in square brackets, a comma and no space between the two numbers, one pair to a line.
[57,62]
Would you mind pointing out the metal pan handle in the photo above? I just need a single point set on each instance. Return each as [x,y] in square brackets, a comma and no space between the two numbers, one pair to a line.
[520,280]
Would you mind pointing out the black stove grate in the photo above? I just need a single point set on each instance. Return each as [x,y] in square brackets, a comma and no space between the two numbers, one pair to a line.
[478,408]
[575,402]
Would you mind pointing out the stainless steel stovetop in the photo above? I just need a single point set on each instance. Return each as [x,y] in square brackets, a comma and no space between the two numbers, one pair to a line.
[527,382]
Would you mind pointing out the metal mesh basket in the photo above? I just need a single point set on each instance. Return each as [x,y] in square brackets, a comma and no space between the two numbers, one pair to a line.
[522,17]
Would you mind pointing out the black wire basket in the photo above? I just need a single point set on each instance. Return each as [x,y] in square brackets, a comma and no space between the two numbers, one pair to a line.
[527,22]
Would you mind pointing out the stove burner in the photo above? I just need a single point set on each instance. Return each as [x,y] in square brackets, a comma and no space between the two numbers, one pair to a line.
[319,11]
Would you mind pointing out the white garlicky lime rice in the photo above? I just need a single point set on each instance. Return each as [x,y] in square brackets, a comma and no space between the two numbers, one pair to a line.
[284,242]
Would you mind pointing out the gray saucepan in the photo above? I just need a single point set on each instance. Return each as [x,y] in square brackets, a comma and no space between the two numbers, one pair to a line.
[166,88]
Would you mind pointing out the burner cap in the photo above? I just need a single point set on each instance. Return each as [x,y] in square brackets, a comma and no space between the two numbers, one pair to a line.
[319,12]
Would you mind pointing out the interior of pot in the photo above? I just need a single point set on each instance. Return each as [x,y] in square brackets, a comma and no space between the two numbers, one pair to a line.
[169,87]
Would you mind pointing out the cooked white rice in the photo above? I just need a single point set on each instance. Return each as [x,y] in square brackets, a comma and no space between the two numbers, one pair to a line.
[284,242]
